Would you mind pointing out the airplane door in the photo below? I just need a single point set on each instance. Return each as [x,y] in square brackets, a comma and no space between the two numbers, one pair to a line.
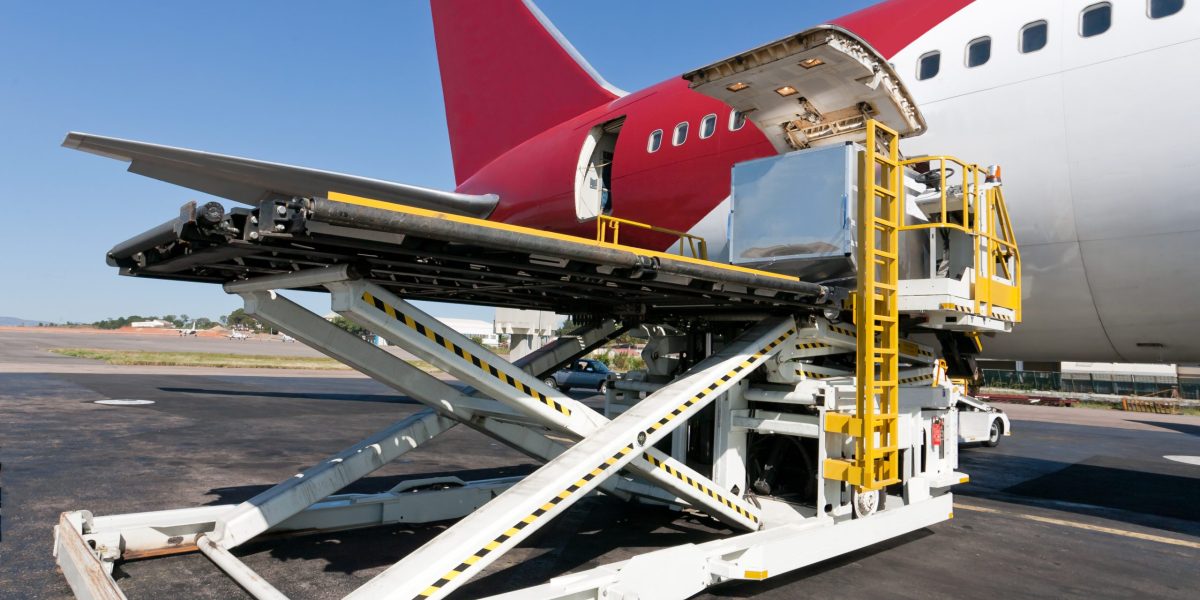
[588,191]
[594,171]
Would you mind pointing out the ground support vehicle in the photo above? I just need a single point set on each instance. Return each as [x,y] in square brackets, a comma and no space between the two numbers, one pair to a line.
[803,415]
[980,422]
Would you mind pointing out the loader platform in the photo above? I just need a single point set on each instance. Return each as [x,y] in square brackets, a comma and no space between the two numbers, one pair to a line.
[426,255]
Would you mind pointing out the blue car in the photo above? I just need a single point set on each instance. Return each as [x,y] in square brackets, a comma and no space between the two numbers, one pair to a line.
[583,373]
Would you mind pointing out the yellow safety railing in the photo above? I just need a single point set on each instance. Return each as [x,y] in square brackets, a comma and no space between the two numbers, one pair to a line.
[983,216]
[608,229]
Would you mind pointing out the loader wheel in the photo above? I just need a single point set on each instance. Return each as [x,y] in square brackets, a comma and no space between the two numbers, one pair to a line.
[994,434]
[867,503]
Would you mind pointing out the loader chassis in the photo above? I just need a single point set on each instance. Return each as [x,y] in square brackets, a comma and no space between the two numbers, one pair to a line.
[802,416]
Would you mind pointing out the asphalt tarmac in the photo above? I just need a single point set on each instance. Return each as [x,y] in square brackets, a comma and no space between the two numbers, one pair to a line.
[1076,503]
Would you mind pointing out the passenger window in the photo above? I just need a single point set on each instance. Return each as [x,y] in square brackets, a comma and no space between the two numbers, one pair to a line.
[1034,37]
[680,134]
[736,120]
[1095,19]
[979,51]
[1158,9]
[655,141]
[708,126]
[928,65]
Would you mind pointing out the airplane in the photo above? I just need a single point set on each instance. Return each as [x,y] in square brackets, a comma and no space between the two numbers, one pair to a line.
[186,331]
[1051,91]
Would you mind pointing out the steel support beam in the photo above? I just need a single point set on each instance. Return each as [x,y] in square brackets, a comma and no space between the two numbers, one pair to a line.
[404,324]
[238,571]
[449,560]
[295,494]
[556,354]
[487,416]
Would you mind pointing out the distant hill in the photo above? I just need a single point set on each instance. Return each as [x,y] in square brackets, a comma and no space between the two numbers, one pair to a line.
[19,322]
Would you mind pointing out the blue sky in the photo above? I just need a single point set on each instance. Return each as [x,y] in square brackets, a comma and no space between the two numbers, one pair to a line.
[344,86]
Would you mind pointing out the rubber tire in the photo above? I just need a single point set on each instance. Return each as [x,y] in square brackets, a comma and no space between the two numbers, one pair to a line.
[552,382]
[603,389]
[994,434]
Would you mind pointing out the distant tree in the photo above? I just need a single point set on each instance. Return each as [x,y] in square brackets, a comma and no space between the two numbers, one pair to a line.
[117,322]
[238,319]
[351,326]
[205,323]
[567,327]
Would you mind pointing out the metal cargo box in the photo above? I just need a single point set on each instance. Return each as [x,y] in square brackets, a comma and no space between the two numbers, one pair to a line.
[792,213]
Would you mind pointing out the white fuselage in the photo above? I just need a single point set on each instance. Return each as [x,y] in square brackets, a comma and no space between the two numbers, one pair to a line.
[1096,140]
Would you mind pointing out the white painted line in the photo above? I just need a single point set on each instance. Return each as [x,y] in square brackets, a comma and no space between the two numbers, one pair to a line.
[1121,532]
[1190,460]
[117,402]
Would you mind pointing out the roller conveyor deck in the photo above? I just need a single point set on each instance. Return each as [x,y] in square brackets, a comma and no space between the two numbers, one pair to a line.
[426,255]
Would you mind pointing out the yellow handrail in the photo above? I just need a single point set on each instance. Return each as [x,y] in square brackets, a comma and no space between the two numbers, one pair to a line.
[606,224]
[983,218]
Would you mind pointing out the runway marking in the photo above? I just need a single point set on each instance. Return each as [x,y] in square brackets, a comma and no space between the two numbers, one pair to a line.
[1121,532]
[1187,460]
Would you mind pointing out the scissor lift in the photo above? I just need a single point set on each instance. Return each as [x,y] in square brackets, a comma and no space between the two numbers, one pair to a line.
[864,416]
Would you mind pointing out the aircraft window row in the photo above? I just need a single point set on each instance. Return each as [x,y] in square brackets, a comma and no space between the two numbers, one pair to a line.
[1034,36]
[1158,9]
[680,134]
[655,141]
[979,51]
[1094,20]
[708,126]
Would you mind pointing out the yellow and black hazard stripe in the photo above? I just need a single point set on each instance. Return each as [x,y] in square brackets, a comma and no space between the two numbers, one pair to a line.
[914,349]
[479,363]
[811,346]
[704,489]
[749,363]
[811,375]
[843,330]
[608,463]
[957,308]
[917,379]
[523,523]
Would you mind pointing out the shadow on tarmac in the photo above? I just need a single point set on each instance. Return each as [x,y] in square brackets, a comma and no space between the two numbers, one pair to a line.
[1139,492]
[371,485]
[293,395]
[1180,427]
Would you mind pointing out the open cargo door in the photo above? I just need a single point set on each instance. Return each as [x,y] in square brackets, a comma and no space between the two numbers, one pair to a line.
[814,88]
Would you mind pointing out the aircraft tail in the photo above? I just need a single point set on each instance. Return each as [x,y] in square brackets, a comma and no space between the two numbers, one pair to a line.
[507,75]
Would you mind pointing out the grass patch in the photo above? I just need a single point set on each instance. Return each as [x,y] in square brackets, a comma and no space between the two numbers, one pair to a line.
[209,359]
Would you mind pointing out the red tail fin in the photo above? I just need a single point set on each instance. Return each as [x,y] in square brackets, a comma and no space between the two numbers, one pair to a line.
[507,75]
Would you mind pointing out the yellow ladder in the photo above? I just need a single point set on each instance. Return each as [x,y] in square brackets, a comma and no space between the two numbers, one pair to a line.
[874,424]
